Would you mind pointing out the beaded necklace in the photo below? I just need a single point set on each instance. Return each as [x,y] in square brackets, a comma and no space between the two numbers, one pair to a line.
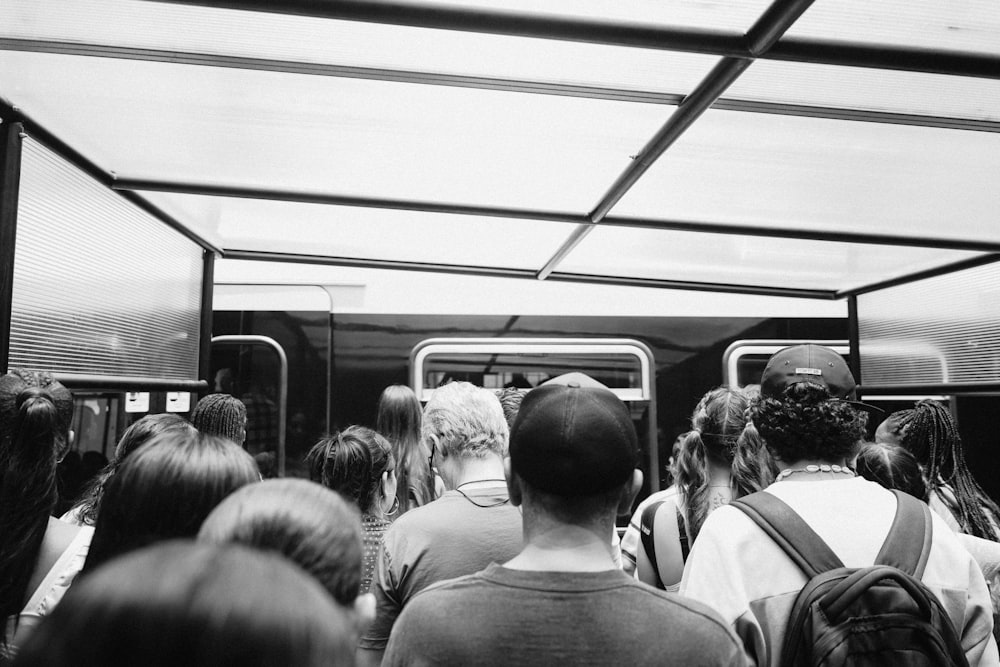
[813,469]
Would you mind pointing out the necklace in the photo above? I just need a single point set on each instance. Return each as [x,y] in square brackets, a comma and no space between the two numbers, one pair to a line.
[812,469]
[477,481]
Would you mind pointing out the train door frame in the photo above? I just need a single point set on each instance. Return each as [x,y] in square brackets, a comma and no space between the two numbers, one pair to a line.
[274,346]
[554,346]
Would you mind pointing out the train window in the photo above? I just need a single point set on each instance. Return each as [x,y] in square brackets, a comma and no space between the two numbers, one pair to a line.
[622,366]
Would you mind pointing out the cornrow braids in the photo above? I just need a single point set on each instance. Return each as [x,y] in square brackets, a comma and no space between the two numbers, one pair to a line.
[221,415]
[930,433]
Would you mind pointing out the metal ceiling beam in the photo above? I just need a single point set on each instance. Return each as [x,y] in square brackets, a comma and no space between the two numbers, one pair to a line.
[488,83]
[12,114]
[526,274]
[922,275]
[623,33]
[762,35]
[291,196]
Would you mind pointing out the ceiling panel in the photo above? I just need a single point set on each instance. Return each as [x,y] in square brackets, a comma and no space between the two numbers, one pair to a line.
[348,44]
[826,175]
[345,231]
[321,134]
[893,92]
[960,25]
[747,260]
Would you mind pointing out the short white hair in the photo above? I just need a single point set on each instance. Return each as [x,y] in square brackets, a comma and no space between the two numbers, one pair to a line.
[466,420]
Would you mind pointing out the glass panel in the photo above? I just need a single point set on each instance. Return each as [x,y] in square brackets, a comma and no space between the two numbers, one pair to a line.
[951,337]
[970,25]
[100,287]
[869,89]
[151,25]
[750,260]
[836,176]
[347,231]
[322,134]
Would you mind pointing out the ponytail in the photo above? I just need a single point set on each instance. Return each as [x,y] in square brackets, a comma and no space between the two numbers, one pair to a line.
[752,466]
[30,448]
[692,480]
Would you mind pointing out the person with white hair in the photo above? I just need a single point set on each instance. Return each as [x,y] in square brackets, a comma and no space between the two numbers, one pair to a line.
[472,525]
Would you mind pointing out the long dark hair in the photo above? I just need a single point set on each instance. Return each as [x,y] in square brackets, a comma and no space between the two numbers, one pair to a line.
[35,416]
[146,428]
[201,605]
[351,463]
[165,490]
[929,432]
[719,431]
[398,419]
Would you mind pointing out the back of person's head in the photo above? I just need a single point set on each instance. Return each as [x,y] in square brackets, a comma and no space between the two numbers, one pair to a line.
[356,463]
[464,420]
[221,415]
[893,467]
[573,453]
[35,417]
[929,432]
[200,605]
[398,419]
[803,411]
[165,490]
[307,523]
[142,430]
[510,400]
[719,433]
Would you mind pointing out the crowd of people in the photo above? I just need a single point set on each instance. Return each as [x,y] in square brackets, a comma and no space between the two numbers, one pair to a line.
[480,529]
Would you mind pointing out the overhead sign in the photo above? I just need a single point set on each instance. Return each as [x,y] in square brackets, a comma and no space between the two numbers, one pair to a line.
[178,401]
[137,401]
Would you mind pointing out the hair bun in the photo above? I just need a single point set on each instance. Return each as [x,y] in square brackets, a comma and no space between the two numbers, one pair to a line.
[32,392]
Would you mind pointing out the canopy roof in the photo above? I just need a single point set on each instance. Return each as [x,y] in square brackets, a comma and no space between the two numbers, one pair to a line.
[795,148]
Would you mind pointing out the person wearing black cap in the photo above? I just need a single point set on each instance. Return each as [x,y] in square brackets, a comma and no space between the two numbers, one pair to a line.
[573,452]
[811,424]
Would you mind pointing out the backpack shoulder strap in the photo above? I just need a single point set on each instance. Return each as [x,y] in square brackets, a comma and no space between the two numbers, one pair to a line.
[908,543]
[790,532]
[682,535]
[646,535]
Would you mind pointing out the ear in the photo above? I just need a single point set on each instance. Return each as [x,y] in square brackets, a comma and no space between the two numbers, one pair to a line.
[630,492]
[513,483]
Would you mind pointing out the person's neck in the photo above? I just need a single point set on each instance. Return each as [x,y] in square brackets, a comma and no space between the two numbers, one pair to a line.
[553,546]
[470,473]
[805,469]
[719,473]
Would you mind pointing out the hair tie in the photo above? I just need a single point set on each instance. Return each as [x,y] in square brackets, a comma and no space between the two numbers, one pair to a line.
[32,392]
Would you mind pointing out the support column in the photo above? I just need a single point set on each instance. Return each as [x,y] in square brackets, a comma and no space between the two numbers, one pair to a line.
[11,135]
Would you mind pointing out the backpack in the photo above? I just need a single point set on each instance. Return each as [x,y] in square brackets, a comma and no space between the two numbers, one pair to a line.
[877,615]
[649,545]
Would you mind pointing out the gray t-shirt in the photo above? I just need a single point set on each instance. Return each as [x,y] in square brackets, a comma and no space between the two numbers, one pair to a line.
[457,534]
[502,616]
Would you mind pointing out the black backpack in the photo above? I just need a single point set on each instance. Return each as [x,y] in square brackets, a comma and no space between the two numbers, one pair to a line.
[648,542]
[878,615]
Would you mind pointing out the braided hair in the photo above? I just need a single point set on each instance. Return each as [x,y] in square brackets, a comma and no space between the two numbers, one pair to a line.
[719,431]
[35,416]
[352,463]
[930,433]
[221,415]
